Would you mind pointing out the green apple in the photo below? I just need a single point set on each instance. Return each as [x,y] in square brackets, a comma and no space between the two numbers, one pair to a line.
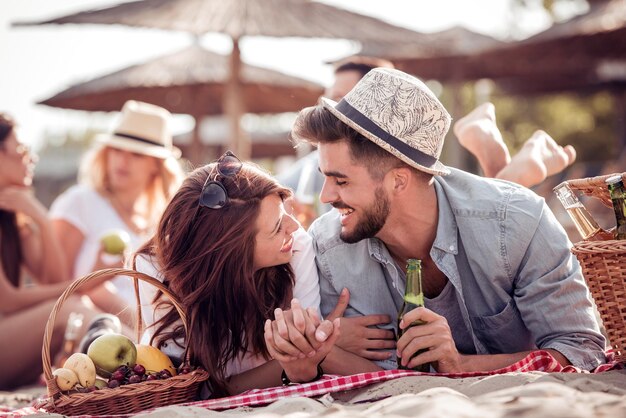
[115,241]
[110,351]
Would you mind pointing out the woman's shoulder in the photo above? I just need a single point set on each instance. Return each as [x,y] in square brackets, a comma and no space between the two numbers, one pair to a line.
[76,195]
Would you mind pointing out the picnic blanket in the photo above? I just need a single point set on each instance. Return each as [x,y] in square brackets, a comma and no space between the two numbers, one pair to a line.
[539,360]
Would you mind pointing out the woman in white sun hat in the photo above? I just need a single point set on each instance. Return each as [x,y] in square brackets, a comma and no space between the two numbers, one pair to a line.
[125,182]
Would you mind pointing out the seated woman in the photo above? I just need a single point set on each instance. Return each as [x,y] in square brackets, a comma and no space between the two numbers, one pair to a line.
[232,254]
[27,243]
[125,183]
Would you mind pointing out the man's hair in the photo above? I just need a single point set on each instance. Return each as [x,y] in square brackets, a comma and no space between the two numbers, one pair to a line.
[361,64]
[318,125]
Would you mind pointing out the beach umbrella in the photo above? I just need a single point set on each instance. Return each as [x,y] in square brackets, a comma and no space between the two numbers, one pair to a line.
[584,53]
[191,81]
[238,19]
[438,55]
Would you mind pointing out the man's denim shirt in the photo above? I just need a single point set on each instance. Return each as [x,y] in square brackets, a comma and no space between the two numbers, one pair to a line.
[518,286]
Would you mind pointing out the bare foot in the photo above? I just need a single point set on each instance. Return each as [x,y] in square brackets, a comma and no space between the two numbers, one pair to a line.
[540,157]
[478,133]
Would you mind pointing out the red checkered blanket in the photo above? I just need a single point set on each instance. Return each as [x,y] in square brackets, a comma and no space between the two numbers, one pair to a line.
[536,361]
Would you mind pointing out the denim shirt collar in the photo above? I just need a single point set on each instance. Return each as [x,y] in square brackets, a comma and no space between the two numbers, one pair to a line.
[447,230]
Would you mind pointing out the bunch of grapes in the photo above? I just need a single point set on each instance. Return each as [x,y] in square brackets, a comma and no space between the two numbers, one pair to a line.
[184,369]
[125,375]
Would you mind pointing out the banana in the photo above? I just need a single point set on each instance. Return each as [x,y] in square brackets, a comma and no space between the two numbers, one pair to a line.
[66,378]
[84,368]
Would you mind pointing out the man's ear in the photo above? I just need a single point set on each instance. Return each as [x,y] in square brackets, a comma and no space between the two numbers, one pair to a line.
[401,178]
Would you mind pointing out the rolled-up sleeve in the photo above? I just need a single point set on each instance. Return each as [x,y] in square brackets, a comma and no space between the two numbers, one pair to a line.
[551,295]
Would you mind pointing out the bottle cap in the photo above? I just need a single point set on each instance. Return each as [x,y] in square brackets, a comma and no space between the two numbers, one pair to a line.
[613,179]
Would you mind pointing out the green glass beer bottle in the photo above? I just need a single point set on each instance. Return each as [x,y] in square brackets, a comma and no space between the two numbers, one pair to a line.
[618,196]
[413,298]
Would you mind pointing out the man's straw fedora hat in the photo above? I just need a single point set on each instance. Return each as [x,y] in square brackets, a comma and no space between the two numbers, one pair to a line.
[143,128]
[398,113]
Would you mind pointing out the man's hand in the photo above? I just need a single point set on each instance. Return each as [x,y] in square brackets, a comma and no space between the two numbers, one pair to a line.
[434,336]
[356,335]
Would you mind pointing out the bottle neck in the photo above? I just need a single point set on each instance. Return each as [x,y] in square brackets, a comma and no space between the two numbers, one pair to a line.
[413,292]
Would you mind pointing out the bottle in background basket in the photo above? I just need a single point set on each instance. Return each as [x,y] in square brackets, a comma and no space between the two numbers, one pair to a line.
[70,338]
[587,227]
[413,298]
[618,196]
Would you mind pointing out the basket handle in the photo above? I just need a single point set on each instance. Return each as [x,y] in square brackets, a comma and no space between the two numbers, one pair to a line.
[595,187]
[76,284]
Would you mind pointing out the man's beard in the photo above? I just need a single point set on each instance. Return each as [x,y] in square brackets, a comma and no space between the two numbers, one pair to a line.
[373,219]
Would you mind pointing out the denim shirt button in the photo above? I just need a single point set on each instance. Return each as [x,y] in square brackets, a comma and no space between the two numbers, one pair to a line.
[451,248]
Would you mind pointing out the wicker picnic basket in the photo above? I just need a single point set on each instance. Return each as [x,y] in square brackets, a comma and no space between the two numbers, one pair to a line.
[604,267]
[126,399]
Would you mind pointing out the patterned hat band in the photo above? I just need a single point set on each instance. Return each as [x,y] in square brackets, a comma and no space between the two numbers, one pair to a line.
[359,118]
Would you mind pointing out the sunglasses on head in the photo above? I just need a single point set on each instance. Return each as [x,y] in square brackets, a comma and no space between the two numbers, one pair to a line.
[214,195]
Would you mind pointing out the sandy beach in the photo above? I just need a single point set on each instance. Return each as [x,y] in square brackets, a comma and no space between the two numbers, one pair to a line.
[530,394]
[534,394]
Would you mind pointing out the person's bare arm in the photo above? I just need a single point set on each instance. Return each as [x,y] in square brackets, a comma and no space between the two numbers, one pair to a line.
[42,252]
[13,299]
[264,376]
[72,239]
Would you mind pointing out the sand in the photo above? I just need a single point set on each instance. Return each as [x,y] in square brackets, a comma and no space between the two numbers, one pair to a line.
[519,395]
[522,395]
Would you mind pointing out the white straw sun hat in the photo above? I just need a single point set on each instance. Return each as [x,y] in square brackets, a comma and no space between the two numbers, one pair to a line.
[142,128]
[400,114]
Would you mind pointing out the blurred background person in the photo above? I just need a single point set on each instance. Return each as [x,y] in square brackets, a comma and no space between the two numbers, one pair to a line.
[125,183]
[27,245]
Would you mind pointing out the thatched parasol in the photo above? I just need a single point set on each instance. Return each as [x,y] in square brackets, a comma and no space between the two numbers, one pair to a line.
[191,81]
[439,55]
[584,53]
[239,18]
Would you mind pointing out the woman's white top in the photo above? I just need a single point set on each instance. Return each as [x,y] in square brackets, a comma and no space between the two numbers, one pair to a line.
[306,289]
[93,215]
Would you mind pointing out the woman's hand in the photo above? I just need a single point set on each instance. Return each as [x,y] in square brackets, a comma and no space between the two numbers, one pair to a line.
[22,200]
[299,341]
[107,261]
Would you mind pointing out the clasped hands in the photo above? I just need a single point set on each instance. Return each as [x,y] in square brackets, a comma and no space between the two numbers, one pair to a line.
[299,340]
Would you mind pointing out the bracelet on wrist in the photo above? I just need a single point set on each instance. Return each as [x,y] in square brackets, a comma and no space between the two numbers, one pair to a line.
[286,381]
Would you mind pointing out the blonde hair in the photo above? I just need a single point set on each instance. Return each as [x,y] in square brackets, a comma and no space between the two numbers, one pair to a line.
[93,172]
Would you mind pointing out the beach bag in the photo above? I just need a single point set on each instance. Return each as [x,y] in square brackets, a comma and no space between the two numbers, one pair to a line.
[125,399]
